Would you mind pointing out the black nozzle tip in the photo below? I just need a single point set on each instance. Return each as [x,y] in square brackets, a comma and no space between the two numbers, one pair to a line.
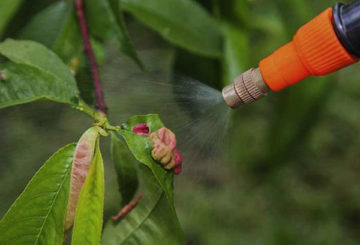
[346,22]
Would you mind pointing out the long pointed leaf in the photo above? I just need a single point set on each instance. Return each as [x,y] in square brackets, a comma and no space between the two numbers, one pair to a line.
[300,105]
[7,10]
[125,166]
[152,222]
[83,158]
[89,211]
[106,23]
[126,44]
[141,148]
[38,215]
[235,52]
[62,32]
[183,22]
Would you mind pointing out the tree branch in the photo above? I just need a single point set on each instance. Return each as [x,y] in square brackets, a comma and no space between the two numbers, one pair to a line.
[99,96]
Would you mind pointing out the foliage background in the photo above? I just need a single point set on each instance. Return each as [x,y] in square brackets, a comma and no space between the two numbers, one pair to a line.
[289,174]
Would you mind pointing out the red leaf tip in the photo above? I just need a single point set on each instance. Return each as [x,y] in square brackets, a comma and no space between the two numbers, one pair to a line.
[164,150]
[141,129]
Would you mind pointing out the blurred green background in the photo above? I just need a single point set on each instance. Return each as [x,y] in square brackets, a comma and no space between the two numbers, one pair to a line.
[288,172]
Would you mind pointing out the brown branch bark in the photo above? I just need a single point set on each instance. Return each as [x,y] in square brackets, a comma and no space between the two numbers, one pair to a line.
[88,49]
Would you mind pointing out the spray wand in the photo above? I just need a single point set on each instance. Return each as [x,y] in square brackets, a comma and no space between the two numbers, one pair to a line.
[327,43]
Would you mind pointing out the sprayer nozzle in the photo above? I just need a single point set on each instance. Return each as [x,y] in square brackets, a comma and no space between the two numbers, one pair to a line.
[247,88]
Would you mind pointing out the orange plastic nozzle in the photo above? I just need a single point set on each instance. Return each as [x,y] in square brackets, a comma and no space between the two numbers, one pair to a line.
[314,50]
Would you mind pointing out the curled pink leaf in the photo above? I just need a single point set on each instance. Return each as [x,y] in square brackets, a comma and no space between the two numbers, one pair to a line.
[2,76]
[164,150]
[178,162]
[141,129]
[83,156]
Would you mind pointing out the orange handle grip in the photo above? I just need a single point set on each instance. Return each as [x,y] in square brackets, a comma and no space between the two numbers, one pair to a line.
[315,50]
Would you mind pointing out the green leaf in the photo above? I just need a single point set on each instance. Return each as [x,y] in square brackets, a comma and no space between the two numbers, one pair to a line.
[83,157]
[7,10]
[152,221]
[299,13]
[84,74]
[100,19]
[63,36]
[89,211]
[59,23]
[141,147]
[84,81]
[38,215]
[182,22]
[126,44]
[34,73]
[235,53]
[312,94]
[125,166]
[37,56]
[299,117]
[232,11]
[106,22]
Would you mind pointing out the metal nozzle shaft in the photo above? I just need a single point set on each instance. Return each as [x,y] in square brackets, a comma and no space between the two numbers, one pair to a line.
[247,88]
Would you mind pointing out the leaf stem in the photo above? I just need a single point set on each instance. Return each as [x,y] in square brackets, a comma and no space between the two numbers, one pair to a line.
[99,96]
[82,106]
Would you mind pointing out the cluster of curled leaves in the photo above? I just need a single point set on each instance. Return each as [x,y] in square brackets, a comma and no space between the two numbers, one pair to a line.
[64,200]
[66,195]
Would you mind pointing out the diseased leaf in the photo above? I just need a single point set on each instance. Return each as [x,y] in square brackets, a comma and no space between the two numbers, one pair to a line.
[152,221]
[38,215]
[141,147]
[7,10]
[125,166]
[56,27]
[106,23]
[89,211]
[83,158]
[34,73]
[182,22]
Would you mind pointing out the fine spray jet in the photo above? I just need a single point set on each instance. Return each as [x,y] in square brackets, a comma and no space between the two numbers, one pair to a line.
[329,42]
